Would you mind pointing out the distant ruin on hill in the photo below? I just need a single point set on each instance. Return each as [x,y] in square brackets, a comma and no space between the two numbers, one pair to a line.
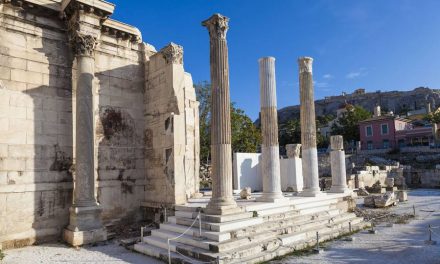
[399,102]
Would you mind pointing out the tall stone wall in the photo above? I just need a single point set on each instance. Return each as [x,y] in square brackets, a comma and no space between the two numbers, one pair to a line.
[146,138]
[171,134]
[119,119]
[35,127]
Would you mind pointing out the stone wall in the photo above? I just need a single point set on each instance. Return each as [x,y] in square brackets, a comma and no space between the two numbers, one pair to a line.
[35,127]
[146,136]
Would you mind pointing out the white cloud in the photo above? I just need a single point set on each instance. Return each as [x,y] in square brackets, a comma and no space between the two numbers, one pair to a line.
[320,84]
[328,76]
[356,74]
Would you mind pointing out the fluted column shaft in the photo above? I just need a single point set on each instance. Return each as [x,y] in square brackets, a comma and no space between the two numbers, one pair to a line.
[221,153]
[84,191]
[337,159]
[269,128]
[308,128]
[85,211]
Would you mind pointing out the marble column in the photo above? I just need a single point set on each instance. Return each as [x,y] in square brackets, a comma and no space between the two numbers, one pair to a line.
[269,128]
[85,224]
[222,201]
[337,159]
[308,129]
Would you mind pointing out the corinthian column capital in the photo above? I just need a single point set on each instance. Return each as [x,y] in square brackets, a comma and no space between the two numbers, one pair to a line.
[173,53]
[217,26]
[305,64]
[83,45]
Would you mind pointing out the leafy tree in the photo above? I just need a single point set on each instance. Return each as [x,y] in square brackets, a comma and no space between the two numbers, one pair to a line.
[433,117]
[348,124]
[322,121]
[289,132]
[203,93]
[245,136]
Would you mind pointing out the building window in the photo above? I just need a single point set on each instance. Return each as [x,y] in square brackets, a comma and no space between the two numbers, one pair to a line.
[401,143]
[369,131]
[386,144]
[384,129]
[369,145]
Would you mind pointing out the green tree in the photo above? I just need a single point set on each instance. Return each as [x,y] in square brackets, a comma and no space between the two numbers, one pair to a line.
[433,117]
[289,132]
[245,136]
[348,124]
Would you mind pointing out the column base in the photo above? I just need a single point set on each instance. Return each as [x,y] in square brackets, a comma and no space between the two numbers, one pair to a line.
[340,189]
[79,238]
[85,226]
[311,193]
[271,198]
[222,207]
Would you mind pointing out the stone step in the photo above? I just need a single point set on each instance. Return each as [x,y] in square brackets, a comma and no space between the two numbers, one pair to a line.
[317,209]
[214,218]
[216,236]
[283,225]
[161,253]
[184,239]
[160,243]
[262,248]
[314,204]
[309,232]
[249,250]
[265,256]
[217,227]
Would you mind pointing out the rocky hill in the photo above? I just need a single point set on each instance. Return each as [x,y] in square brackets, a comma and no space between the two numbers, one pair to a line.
[399,102]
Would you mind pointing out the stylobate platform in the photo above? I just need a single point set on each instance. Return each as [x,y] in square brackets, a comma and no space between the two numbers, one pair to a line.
[259,232]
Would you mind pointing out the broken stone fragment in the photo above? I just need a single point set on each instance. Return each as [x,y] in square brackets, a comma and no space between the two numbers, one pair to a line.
[245,193]
[385,200]
[369,201]
[197,195]
[362,192]
[402,196]
[389,182]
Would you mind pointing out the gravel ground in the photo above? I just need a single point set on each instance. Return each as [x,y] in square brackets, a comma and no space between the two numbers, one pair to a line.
[400,244]
[59,253]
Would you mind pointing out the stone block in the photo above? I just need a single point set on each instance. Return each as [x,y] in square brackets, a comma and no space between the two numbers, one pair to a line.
[26,76]
[5,73]
[247,171]
[246,193]
[293,150]
[79,238]
[402,196]
[291,174]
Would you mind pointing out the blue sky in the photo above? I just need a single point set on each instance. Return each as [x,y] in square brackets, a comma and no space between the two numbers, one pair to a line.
[371,44]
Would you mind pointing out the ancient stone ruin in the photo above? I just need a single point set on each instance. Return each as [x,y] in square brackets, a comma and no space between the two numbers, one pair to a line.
[221,228]
[101,128]
[96,125]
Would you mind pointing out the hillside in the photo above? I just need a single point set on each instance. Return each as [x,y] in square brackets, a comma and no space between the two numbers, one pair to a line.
[397,101]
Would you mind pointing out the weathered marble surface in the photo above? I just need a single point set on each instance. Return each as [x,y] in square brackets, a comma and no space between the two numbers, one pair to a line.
[38,135]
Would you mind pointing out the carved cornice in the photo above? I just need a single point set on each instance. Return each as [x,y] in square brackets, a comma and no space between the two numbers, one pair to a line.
[121,30]
[100,8]
[39,7]
[217,26]
[172,53]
